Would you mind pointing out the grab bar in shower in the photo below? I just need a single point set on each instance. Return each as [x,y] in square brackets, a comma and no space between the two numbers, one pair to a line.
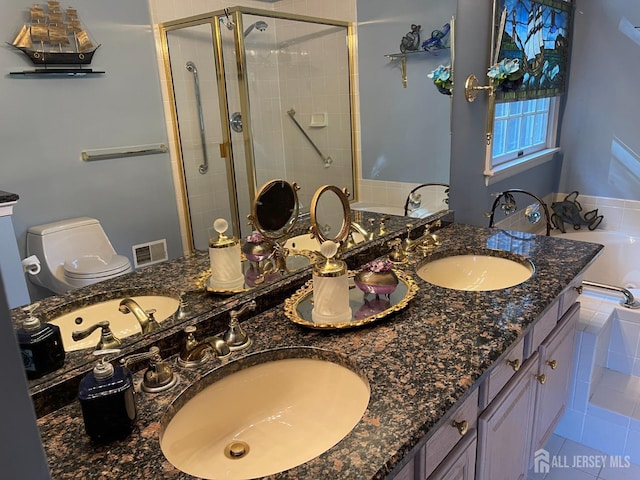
[205,163]
[629,300]
[327,160]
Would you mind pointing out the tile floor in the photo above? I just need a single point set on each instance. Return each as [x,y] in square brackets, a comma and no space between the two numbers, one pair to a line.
[569,453]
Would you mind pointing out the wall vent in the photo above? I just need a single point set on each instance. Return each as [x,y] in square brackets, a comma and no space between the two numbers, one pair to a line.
[150,253]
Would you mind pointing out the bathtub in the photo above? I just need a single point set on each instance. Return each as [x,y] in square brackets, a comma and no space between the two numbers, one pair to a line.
[618,264]
[603,410]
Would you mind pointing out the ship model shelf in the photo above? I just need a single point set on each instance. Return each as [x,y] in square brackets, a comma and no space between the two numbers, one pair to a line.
[56,41]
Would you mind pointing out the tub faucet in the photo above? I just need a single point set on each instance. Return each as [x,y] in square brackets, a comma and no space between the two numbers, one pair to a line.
[145,318]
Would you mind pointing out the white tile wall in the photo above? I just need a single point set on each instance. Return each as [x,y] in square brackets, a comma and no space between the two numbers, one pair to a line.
[604,405]
[394,194]
[619,215]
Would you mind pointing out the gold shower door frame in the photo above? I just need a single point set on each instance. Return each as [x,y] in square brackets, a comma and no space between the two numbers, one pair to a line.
[226,148]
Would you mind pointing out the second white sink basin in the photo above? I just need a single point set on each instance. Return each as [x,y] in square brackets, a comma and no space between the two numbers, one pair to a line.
[305,242]
[264,419]
[475,272]
[122,325]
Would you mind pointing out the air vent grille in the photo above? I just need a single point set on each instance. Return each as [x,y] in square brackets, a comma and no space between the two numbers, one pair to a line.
[150,253]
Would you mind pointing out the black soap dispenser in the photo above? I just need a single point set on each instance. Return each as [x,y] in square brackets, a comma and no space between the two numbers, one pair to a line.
[40,345]
[107,399]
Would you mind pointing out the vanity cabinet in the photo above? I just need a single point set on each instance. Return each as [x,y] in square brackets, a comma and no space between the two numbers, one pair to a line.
[460,464]
[452,444]
[521,418]
[505,428]
[555,366]
[518,405]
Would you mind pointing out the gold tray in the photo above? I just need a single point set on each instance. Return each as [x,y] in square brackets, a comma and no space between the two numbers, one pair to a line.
[365,308]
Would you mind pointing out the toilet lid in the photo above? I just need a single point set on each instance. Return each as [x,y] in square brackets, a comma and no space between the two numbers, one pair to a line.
[95,266]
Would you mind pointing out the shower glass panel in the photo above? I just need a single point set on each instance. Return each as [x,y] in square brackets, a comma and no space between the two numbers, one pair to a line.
[276,94]
[199,130]
[299,72]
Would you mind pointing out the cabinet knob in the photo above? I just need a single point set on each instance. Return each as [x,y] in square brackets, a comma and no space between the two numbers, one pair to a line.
[579,289]
[515,364]
[541,378]
[462,426]
[553,364]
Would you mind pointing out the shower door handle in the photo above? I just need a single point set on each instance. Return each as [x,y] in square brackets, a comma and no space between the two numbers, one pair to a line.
[224,150]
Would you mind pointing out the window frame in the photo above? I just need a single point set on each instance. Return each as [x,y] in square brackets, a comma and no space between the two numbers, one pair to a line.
[531,157]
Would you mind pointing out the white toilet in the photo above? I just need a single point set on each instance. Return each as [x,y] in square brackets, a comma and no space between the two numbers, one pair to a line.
[73,253]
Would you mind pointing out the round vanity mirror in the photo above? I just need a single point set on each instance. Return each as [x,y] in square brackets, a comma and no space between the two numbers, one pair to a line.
[331,214]
[275,209]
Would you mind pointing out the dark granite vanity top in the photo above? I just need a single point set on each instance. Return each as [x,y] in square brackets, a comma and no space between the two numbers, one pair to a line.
[419,362]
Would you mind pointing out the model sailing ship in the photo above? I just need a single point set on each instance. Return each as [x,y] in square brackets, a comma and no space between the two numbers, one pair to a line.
[55,37]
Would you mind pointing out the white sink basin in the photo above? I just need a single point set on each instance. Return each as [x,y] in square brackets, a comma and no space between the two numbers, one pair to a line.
[305,242]
[475,272]
[122,325]
[271,416]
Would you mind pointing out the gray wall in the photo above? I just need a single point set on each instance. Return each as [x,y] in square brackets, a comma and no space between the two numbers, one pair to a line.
[470,197]
[47,122]
[603,104]
[405,131]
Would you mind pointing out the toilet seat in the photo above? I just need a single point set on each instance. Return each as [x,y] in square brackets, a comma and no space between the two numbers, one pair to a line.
[95,266]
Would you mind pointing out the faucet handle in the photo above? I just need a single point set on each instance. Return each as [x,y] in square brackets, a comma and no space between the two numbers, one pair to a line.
[382,228]
[159,375]
[397,255]
[107,341]
[184,310]
[235,336]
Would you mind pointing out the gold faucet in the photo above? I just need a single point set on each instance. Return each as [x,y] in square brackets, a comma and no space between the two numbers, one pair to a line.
[425,241]
[145,318]
[196,352]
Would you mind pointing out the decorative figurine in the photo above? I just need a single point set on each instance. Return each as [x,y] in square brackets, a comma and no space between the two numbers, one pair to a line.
[411,41]
[569,210]
[377,277]
[436,42]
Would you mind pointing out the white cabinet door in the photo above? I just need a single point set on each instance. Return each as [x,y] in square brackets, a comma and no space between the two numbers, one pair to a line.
[461,462]
[505,428]
[556,357]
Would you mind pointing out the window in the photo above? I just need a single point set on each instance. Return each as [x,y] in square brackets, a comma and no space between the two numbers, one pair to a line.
[524,135]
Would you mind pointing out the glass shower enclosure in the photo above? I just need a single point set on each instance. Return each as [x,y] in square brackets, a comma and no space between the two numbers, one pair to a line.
[257,95]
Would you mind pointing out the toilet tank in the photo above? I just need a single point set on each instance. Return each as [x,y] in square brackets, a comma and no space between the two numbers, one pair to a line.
[68,239]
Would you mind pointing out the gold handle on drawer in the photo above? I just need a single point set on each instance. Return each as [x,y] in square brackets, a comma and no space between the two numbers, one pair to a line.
[553,364]
[541,378]
[515,364]
[579,289]
[462,426]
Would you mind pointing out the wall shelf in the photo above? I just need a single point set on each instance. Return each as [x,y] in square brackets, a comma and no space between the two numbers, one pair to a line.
[58,72]
[403,60]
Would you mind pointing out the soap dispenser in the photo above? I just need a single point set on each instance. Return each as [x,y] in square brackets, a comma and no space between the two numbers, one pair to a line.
[225,259]
[107,399]
[330,288]
[40,345]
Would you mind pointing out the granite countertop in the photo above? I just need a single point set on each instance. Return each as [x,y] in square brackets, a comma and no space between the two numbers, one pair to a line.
[208,311]
[419,362]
